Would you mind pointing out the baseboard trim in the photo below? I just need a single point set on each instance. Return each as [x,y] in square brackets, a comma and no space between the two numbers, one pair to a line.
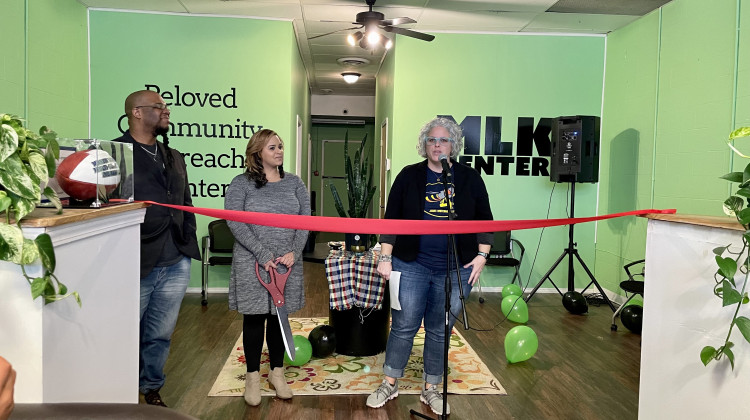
[615,298]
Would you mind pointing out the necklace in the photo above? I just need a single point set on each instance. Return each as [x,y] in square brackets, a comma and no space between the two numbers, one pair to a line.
[153,154]
[438,176]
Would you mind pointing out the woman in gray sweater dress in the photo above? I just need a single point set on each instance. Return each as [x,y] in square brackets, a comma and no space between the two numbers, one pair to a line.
[265,187]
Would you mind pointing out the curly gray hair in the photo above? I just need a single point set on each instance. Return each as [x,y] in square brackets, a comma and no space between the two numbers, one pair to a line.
[454,129]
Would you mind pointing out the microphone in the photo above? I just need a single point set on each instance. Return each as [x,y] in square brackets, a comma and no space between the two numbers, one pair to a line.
[446,168]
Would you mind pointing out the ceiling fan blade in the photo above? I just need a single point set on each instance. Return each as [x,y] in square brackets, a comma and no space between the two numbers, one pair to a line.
[330,33]
[409,32]
[397,21]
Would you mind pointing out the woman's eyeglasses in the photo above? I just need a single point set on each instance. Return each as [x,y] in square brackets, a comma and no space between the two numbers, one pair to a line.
[438,140]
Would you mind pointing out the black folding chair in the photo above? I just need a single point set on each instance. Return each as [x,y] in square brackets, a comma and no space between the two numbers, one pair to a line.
[634,284]
[218,241]
[503,254]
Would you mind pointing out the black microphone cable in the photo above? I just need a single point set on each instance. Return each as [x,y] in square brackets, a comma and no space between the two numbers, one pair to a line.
[528,279]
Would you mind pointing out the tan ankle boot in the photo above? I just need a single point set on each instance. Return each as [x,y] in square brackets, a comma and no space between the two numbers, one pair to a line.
[278,382]
[252,388]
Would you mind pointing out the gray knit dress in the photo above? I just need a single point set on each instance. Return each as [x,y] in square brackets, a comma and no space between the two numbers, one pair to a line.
[263,243]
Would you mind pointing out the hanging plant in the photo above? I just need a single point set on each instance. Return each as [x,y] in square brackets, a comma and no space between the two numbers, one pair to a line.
[27,161]
[725,287]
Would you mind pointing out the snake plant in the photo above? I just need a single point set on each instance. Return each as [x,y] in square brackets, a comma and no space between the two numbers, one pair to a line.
[359,186]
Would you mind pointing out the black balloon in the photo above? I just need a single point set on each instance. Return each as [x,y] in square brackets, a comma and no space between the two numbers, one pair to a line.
[323,341]
[575,303]
[632,318]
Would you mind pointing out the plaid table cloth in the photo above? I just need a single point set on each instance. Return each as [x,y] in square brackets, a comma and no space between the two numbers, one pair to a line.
[354,281]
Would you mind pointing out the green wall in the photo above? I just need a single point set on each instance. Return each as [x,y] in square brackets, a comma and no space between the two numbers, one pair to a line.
[12,60]
[508,76]
[252,65]
[44,65]
[384,114]
[300,101]
[676,82]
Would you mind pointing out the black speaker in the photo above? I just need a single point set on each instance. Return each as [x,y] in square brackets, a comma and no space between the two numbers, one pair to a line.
[575,149]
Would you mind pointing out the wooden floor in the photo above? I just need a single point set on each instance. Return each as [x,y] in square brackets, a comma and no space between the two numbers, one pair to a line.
[582,370]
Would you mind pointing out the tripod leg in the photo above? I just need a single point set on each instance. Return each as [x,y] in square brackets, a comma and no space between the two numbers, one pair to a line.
[555,286]
[593,280]
[546,276]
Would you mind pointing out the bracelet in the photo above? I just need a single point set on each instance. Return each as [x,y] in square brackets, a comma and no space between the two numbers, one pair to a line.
[385,258]
[484,254]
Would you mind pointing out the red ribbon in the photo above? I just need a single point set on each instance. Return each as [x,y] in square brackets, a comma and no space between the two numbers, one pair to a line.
[393,226]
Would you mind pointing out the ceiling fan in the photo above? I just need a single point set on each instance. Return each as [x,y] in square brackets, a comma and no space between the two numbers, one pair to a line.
[370,21]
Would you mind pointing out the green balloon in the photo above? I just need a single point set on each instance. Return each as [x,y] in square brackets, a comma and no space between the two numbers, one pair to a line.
[302,350]
[512,289]
[515,309]
[520,344]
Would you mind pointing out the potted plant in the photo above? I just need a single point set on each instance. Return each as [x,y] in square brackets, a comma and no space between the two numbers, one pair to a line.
[725,287]
[360,192]
[27,161]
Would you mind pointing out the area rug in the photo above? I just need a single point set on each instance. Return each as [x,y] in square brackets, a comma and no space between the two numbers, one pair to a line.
[340,374]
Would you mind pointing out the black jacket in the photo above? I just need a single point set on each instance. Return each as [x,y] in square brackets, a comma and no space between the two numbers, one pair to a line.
[406,201]
[151,184]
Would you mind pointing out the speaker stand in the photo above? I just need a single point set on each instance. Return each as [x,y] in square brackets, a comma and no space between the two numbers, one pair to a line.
[571,251]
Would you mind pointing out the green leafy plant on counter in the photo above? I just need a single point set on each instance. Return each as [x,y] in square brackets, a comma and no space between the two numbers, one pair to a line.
[27,161]
[726,287]
[359,185]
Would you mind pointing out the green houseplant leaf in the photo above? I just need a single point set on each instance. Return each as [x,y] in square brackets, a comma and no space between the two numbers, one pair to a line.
[727,266]
[733,177]
[27,160]
[730,295]
[743,324]
[707,354]
[359,182]
[725,286]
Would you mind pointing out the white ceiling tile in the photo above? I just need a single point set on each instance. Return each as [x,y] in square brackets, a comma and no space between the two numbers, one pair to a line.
[578,23]
[275,10]
[469,21]
[146,5]
[491,5]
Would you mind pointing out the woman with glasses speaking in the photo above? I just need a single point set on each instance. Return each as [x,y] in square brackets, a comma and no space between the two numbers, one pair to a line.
[419,193]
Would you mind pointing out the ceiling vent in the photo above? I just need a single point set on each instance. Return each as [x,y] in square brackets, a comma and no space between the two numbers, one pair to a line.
[326,91]
[353,61]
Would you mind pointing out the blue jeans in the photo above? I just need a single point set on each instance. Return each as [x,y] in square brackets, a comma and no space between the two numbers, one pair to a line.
[422,296]
[161,296]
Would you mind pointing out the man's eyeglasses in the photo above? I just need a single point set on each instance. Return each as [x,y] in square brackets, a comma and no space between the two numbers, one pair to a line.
[438,140]
[157,106]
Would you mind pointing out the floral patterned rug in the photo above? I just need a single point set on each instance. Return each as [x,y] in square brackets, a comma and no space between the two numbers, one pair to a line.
[340,374]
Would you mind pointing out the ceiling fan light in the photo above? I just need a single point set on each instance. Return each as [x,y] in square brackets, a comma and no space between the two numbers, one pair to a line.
[352,39]
[350,76]
[373,38]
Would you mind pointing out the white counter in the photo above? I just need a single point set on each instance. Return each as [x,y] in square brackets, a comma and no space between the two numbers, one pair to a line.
[63,353]
[681,316]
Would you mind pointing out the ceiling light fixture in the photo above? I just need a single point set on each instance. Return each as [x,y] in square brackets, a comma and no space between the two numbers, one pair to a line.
[350,76]
[354,38]
[369,40]
[373,38]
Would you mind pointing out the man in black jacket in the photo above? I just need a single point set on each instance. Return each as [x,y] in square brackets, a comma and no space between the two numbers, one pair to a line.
[168,239]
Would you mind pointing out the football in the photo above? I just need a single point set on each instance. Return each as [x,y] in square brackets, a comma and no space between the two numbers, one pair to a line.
[84,173]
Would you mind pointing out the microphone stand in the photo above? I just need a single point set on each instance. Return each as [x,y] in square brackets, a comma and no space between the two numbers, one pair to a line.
[452,253]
